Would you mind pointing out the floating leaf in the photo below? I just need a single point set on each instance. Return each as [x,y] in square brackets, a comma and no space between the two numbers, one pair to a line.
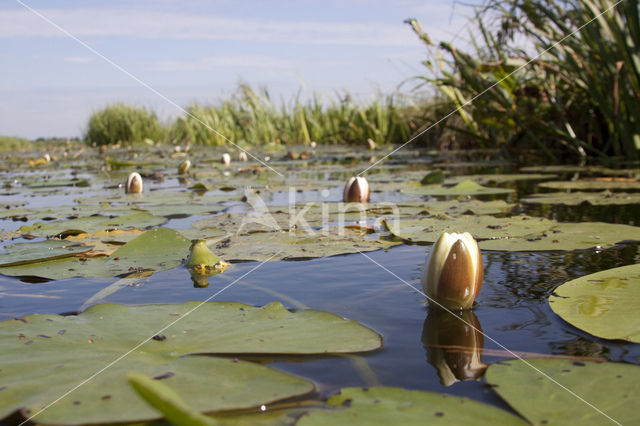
[385,405]
[517,233]
[591,184]
[43,356]
[104,242]
[433,177]
[263,246]
[605,304]
[604,198]
[466,187]
[138,220]
[26,253]
[157,249]
[609,387]
[499,178]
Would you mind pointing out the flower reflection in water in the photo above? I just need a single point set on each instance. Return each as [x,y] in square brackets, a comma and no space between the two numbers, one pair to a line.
[453,346]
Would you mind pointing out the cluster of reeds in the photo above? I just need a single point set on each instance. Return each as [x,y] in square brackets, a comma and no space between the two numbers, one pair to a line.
[120,123]
[554,75]
[252,117]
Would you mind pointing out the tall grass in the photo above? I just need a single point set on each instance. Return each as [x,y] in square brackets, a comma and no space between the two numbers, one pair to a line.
[580,97]
[119,123]
[251,116]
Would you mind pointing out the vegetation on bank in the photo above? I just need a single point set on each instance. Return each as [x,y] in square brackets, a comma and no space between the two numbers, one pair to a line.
[542,75]
[578,93]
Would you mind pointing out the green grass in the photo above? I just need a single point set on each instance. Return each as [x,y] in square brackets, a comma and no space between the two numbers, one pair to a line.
[252,117]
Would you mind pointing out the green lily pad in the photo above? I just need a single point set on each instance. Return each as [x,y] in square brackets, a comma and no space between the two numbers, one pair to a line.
[604,198]
[609,387]
[43,356]
[261,246]
[25,253]
[138,220]
[585,170]
[386,405]
[466,187]
[592,185]
[605,304]
[157,249]
[517,233]
[499,178]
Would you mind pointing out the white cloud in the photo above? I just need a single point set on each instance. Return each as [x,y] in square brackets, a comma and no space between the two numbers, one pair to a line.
[157,24]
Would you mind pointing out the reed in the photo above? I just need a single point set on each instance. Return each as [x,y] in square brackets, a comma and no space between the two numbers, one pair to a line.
[579,97]
[120,123]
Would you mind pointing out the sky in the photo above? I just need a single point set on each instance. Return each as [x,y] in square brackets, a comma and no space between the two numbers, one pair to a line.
[63,60]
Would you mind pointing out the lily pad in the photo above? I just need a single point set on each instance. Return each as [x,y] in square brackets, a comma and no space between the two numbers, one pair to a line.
[609,387]
[604,198]
[518,233]
[157,249]
[138,220]
[104,242]
[591,184]
[25,253]
[43,356]
[279,245]
[466,187]
[499,178]
[386,405]
[605,304]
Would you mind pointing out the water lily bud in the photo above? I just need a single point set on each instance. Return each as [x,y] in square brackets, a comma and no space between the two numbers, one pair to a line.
[453,276]
[313,144]
[134,183]
[201,255]
[184,166]
[356,190]
[242,156]
[226,159]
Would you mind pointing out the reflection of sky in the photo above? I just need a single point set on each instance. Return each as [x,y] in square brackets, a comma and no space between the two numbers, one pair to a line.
[49,84]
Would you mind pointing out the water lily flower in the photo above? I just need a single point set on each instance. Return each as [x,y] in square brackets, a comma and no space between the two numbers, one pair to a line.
[454,273]
[226,159]
[242,156]
[183,167]
[134,183]
[356,190]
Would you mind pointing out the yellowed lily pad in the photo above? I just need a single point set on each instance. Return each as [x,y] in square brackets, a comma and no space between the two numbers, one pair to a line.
[605,304]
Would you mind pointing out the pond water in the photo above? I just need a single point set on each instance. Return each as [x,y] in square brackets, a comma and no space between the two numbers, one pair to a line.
[512,308]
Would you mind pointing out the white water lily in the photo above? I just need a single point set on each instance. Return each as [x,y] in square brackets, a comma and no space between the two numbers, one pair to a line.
[453,275]
[184,166]
[226,159]
[134,183]
[356,190]
[242,156]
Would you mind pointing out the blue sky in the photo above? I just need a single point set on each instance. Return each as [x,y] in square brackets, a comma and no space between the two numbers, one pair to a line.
[200,51]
